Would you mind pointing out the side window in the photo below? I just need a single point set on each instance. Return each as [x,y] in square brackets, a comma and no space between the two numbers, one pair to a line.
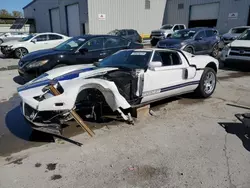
[123,33]
[176,28]
[55,37]
[170,59]
[210,33]
[94,44]
[157,57]
[131,32]
[41,38]
[201,34]
[115,42]
[181,27]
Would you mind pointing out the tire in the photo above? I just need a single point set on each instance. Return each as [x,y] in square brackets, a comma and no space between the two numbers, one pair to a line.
[189,50]
[20,52]
[215,51]
[209,77]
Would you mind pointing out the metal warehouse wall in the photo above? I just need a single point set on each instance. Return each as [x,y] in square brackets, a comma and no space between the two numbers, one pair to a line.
[175,15]
[39,10]
[125,14]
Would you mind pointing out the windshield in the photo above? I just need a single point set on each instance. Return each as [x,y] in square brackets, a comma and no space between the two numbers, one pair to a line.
[127,59]
[71,44]
[245,35]
[167,27]
[27,38]
[114,32]
[183,34]
[238,30]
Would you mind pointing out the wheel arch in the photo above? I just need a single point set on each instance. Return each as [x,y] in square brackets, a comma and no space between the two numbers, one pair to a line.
[212,65]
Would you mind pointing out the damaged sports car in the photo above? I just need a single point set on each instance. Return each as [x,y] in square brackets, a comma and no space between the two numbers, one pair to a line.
[118,84]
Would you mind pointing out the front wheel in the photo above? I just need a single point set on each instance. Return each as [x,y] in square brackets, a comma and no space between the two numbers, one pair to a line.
[207,83]
[21,52]
[189,50]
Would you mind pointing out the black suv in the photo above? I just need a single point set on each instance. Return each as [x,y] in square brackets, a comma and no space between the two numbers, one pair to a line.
[129,34]
[85,49]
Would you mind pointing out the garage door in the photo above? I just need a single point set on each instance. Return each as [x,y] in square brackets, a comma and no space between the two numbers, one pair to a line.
[55,20]
[204,15]
[73,20]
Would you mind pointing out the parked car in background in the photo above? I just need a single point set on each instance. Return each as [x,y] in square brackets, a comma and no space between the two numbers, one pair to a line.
[194,41]
[31,43]
[6,37]
[238,50]
[233,34]
[85,49]
[117,84]
[164,32]
[129,34]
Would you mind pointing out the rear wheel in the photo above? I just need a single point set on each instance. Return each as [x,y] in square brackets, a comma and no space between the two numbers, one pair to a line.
[207,83]
[20,52]
[215,51]
[189,50]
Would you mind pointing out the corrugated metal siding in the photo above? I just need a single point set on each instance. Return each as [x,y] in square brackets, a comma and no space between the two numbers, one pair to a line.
[175,15]
[125,14]
[39,10]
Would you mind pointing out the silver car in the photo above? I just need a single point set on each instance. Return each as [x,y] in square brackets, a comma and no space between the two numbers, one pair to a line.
[6,37]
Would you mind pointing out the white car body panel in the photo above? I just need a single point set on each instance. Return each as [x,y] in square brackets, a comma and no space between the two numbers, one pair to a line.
[160,82]
[39,45]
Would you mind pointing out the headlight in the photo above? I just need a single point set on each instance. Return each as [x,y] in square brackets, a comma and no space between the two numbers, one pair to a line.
[37,63]
[226,48]
[183,44]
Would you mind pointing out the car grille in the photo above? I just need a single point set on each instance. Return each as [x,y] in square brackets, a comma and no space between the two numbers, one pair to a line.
[240,51]
[28,110]
[157,34]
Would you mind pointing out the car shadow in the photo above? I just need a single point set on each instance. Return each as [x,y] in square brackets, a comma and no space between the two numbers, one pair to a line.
[17,125]
[240,131]
[19,80]
[236,66]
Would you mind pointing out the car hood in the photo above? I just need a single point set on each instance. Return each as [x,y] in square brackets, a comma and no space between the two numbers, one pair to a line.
[240,43]
[66,73]
[170,42]
[12,43]
[162,30]
[230,35]
[42,54]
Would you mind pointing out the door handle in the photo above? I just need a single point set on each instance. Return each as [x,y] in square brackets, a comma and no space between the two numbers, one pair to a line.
[104,53]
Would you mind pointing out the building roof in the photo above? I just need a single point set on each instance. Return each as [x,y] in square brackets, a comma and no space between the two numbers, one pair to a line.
[29,4]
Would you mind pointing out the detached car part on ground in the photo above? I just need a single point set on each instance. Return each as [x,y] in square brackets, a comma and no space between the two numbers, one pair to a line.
[116,85]
[238,50]
[85,49]
[31,43]
[194,40]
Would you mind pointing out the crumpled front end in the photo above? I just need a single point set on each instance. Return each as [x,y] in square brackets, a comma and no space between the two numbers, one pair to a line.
[43,109]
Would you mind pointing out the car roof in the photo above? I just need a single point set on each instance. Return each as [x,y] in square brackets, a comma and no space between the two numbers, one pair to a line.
[94,36]
[151,50]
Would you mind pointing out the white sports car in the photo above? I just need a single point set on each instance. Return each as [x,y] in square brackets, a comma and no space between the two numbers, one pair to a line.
[117,84]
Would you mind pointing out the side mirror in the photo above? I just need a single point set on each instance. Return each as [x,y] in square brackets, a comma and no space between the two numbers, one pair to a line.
[154,64]
[83,50]
[34,41]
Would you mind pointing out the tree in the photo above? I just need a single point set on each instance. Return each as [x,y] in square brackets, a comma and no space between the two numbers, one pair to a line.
[5,14]
[17,14]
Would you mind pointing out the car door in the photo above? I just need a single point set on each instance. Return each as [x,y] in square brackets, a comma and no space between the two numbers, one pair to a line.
[167,80]
[95,51]
[200,42]
[39,42]
[124,34]
[114,44]
[54,40]
[131,35]
[212,38]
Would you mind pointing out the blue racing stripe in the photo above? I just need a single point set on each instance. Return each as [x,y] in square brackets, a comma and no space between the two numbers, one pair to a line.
[67,76]
[179,86]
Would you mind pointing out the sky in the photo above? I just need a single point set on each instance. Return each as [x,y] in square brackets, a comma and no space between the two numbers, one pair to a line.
[11,5]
